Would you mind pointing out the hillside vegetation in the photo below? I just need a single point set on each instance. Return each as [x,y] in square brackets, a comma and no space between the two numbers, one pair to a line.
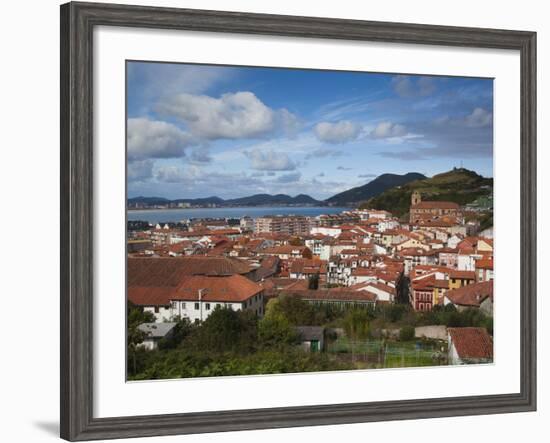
[372,188]
[460,185]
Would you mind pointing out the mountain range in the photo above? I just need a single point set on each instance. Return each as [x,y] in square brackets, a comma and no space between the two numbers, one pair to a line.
[252,200]
[387,191]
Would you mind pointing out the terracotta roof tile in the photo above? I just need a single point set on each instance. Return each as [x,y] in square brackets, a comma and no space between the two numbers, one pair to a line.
[471,295]
[233,288]
[435,205]
[473,343]
[168,271]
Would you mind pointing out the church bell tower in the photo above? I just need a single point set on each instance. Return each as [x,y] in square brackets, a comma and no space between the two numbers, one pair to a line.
[415,198]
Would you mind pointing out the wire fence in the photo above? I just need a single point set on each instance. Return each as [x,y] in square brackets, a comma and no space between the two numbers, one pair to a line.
[387,354]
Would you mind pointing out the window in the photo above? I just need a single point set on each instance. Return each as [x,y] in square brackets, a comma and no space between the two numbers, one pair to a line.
[156,309]
[207,306]
[183,305]
[196,306]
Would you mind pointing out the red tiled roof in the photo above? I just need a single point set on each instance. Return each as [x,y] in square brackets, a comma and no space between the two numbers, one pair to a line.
[484,263]
[363,272]
[149,296]
[349,252]
[435,205]
[308,266]
[299,284]
[168,271]
[233,288]
[471,295]
[465,275]
[472,342]
[424,284]
[286,249]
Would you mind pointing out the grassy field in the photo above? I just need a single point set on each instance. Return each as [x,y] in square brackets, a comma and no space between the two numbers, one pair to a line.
[389,354]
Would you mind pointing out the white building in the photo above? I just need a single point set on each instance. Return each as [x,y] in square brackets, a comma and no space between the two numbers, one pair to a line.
[197,296]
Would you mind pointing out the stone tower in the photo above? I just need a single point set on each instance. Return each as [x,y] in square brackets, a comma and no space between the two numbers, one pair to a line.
[415,198]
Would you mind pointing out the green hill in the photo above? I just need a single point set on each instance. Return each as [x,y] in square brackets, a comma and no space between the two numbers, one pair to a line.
[460,185]
[372,188]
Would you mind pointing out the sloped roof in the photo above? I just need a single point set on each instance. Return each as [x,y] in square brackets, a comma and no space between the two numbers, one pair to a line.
[308,266]
[233,288]
[156,330]
[484,263]
[467,275]
[168,271]
[472,342]
[307,333]
[435,205]
[286,249]
[471,295]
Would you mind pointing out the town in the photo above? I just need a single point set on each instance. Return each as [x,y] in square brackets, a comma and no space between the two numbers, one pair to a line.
[361,289]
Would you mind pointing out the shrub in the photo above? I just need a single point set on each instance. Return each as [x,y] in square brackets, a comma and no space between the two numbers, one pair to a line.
[406,333]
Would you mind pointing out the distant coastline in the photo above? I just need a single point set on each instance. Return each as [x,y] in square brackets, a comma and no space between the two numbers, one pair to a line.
[163,215]
[230,207]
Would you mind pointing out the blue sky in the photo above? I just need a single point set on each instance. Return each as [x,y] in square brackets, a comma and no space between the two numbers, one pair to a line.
[200,131]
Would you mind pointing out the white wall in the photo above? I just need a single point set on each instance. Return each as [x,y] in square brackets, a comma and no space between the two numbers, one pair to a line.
[29,176]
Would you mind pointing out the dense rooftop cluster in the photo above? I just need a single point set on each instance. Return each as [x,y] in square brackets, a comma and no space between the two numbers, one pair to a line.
[357,258]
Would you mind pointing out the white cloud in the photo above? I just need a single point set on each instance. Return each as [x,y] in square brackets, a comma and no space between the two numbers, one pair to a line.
[339,132]
[387,130]
[232,116]
[289,178]
[479,118]
[174,174]
[155,139]
[140,170]
[323,152]
[270,160]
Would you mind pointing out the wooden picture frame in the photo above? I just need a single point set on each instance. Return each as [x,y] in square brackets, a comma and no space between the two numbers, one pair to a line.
[77,23]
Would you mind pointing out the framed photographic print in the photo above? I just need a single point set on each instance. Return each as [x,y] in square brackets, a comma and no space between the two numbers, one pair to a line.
[274,221]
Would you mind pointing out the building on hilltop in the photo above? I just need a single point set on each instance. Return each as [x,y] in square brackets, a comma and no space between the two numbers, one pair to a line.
[431,212]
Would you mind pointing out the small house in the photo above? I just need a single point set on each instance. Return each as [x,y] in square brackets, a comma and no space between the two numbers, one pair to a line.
[154,332]
[312,338]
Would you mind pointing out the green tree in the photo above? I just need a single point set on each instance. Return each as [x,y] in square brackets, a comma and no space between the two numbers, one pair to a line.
[136,316]
[356,326]
[295,310]
[181,330]
[406,333]
[276,331]
[225,330]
